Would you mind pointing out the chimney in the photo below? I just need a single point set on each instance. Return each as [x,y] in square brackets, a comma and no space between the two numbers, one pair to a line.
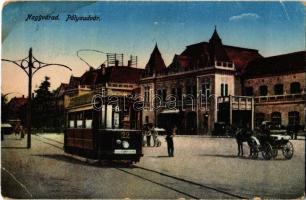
[116,63]
[129,63]
[23,96]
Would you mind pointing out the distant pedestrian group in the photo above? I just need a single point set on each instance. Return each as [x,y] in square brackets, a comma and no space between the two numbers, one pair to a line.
[149,134]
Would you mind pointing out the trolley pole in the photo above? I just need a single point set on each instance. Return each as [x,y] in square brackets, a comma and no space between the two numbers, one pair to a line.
[30,65]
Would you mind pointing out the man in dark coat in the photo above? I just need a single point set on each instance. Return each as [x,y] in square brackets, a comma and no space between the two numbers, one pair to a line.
[169,140]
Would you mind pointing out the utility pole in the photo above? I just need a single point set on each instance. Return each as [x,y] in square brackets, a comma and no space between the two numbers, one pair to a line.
[30,65]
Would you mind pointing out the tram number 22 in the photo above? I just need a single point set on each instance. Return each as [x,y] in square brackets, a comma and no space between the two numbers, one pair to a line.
[125,134]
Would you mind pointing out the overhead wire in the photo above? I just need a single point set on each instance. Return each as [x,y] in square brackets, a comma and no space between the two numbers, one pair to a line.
[93,50]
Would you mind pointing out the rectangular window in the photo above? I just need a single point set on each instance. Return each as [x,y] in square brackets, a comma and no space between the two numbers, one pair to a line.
[194,91]
[278,89]
[173,91]
[206,89]
[263,90]
[159,93]
[79,123]
[188,90]
[249,91]
[71,124]
[179,93]
[147,94]
[164,94]
[88,119]
[224,89]
[88,123]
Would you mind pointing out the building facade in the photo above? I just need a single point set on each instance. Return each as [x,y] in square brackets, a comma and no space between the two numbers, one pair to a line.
[116,81]
[185,94]
[278,86]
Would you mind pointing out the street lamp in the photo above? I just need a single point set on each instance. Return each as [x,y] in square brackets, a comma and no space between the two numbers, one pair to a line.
[207,98]
[30,65]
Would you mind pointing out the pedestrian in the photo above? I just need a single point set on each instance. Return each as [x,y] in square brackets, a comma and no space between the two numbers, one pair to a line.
[144,135]
[154,136]
[22,132]
[169,140]
[148,134]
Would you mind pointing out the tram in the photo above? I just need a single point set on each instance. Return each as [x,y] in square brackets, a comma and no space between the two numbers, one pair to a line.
[101,133]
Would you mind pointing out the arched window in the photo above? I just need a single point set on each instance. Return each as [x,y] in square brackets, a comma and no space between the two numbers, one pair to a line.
[295,88]
[276,118]
[263,90]
[259,118]
[293,118]
[249,91]
[278,89]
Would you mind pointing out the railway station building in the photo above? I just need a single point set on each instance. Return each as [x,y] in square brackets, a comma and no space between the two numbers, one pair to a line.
[210,83]
[277,84]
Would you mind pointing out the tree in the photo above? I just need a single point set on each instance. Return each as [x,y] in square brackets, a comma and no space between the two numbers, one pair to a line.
[4,108]
[43,106]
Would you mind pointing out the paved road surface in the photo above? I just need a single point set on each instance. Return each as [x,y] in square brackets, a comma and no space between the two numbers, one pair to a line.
[201,168]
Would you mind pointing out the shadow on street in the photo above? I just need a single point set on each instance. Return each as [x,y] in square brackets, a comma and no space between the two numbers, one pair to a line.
[13,147]
[218,155]
[91,163]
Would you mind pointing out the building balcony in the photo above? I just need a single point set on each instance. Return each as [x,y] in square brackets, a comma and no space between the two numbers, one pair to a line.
[280,98]
[78,89]
[237,102]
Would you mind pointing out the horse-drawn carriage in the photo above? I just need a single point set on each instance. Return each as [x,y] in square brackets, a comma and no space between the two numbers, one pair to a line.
[269,145]
[266,140]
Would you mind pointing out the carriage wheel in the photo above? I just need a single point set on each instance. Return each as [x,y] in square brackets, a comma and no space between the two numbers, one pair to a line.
[254,154]
[288,150]
[266,151]
[274,152]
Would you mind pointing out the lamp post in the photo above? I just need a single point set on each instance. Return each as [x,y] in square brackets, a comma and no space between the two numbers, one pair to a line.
[30,65]
[207,112]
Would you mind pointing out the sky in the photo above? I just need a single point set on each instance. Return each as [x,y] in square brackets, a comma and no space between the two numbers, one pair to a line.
[133,28]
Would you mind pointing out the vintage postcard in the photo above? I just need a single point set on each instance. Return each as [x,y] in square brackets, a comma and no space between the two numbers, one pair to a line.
[153,100]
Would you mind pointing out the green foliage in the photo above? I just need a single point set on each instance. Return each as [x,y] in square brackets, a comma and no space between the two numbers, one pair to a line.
[4,108]
[44,109]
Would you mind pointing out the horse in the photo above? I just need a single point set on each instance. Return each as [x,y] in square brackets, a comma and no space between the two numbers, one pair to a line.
[244,135]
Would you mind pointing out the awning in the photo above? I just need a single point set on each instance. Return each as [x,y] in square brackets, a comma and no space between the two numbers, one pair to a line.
[170,112]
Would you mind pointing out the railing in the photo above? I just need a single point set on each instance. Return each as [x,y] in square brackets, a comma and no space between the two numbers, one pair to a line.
[280,98]
[164,104]
[237,102]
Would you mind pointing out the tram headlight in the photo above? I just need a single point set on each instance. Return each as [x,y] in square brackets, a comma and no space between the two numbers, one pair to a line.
[118,141]
[125,144]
